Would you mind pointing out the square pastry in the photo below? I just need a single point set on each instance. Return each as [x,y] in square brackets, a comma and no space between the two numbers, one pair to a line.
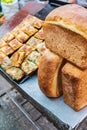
[22,37]
[15,31]
[34,57]
[2,43]
[15,73]
[6,63]
[7,50]
[17,58]
[15,44]
[33,42]
[2,56]
[28,66]
[41,47]
[29,30]
[34,21]
[25,48]
[19,35]
[8,37]
[40,34]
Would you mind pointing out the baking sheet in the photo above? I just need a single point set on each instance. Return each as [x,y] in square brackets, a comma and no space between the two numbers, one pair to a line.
[64,117]
[61,114]
[56,106]
[21,80]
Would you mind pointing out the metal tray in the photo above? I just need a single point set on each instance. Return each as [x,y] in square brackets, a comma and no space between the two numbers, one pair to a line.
[64,117]
[21,80]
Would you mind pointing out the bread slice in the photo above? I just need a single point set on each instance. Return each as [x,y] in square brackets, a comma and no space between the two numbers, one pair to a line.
[49,77]
[65,31]
[74,83]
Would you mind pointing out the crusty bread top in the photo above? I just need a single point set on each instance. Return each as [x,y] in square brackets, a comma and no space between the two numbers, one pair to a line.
[70,16]
[49,74]
[72,70]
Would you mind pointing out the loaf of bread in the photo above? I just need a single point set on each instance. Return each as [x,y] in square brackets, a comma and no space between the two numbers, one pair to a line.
[65,30]
[49,76]
[74,83]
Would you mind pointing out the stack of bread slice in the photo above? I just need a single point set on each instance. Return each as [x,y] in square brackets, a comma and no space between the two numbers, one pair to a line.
[63,67]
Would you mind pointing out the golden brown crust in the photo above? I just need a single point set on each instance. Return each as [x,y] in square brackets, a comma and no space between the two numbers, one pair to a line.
[8,37]
[28,66]
[32,20]
[17,58]
[48,74]
[6,63]
[7,50]
[15,44]
[33,42]
[2,43]
[2,56]
[34,57]
[15,73]
[25,48]
[29,30]
[40,34]
[41,48]
[22,37]
[74,83]
[73,16]
[15,31]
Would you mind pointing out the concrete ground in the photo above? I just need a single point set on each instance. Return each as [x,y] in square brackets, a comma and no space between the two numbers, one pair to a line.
[11,118]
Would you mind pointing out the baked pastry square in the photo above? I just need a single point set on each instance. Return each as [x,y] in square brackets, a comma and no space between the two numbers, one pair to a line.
[22,37]
[28,66]
[15,73]
[29,30]
[41,47]
[17,58]
[15,31]
[7,50]
[2,43]
[2,56]
[6,63]
[34,21]
[34,57]
[8,37]
[19,35]
[40,34]
[33,42]
[25,48]
[15,44]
